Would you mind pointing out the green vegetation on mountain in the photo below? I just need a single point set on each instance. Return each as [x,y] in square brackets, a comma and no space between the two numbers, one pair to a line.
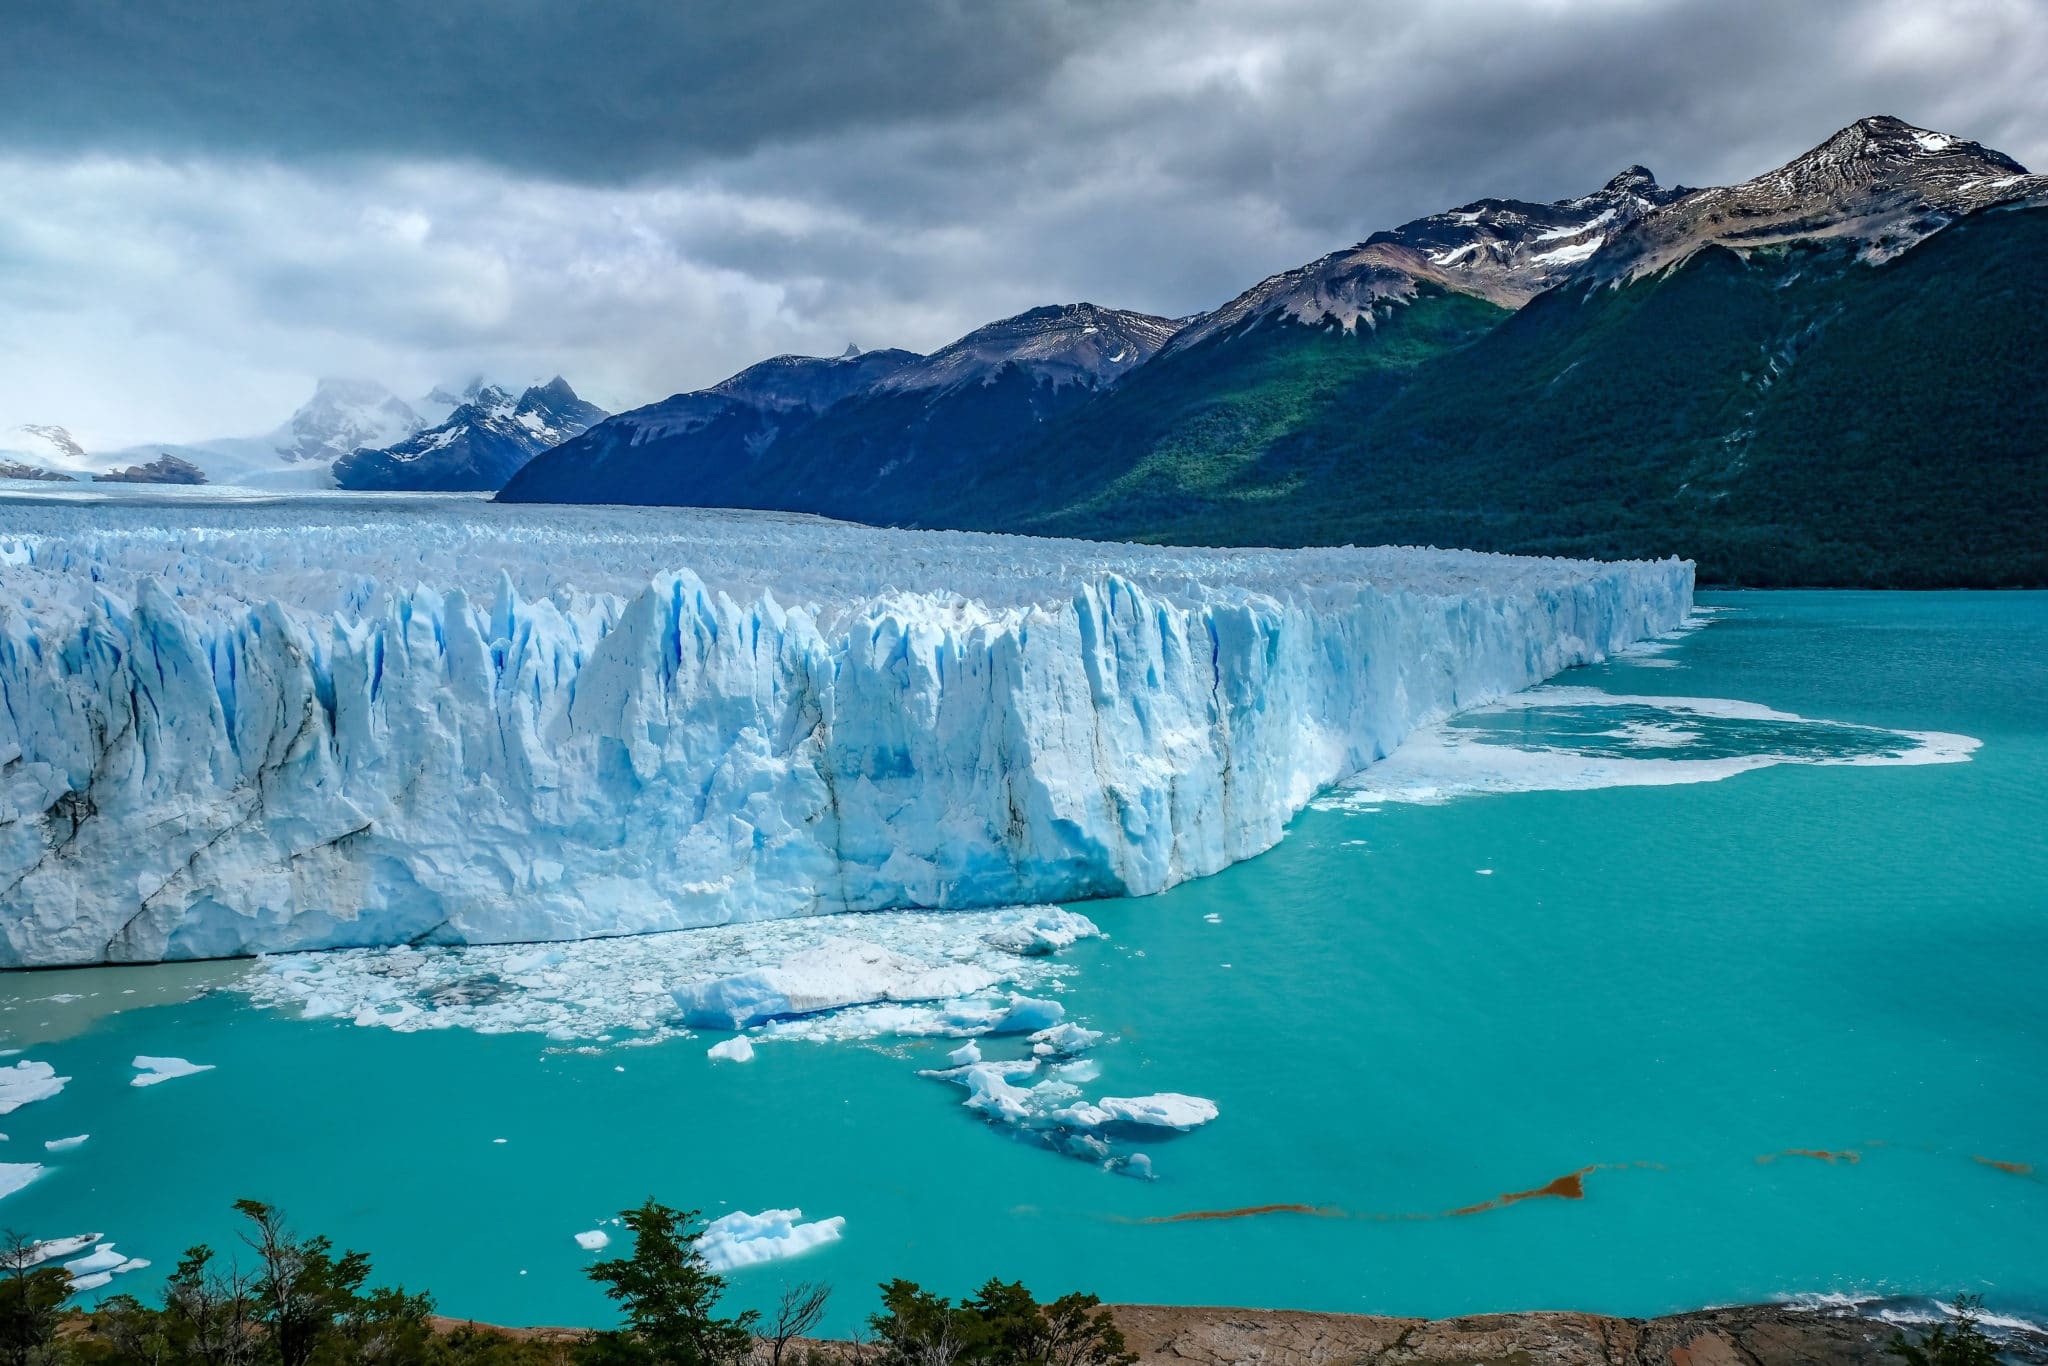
[1792,417]
[1204,433]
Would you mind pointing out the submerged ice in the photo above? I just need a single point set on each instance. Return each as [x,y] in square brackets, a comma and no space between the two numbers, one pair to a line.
[355,722]
[1557,739]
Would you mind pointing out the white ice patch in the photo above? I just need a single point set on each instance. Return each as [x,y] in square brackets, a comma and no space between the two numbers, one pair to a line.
[153,1070]
[594,1240]
[64,1145]
[736,1049]
[741,1239]
[595,990]
[836,974]
[1568,739]
[1053,1111]
[50,1250]
[26,1082]
[15,1175]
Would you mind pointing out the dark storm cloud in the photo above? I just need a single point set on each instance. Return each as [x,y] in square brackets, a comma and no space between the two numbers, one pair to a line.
[211,201]
[555,87]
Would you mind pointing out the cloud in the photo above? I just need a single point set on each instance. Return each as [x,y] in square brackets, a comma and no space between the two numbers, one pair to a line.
[212,203]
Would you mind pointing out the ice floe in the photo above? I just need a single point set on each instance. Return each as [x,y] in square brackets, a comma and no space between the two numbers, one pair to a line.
[51,1250]
[741,1239]
[64,1145]
[1054,1112]
[594,1240]
[26,1082]
[150,1070]
[836,974]
[15,1175]
[1559,739]
[602,989]
[736,1049]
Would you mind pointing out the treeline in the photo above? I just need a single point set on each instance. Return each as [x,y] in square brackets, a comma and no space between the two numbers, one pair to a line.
[297,1302]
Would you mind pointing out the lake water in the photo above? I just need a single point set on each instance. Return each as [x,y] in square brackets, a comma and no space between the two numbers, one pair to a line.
[1779,1033]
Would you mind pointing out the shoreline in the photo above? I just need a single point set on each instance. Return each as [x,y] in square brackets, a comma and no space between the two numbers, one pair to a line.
[1848,1334]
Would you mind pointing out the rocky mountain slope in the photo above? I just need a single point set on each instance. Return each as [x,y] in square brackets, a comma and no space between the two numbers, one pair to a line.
[874,432]
[1825,374]
[483,443]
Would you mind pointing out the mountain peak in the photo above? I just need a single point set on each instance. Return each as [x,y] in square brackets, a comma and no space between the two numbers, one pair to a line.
[1080,342]
[1633,180]
[850,352]
[1879,185]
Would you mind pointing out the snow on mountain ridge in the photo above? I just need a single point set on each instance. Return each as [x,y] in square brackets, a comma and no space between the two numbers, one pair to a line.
[447,721]
[481,444]
[1880,184]
[1080,343]
[1506,251]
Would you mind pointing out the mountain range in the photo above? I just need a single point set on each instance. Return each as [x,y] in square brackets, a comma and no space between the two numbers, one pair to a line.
[472,439]
[1826,374]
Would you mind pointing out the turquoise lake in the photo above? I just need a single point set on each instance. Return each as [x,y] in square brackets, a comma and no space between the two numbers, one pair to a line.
[1788,1031]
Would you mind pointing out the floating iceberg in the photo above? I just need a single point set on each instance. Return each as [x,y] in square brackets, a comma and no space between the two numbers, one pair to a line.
[15,1175]
[741,1239]
[26,1082]
[1167,1110]
[594,1240]
[351,722]
[731,1050]
[64,1145]
[150,1070]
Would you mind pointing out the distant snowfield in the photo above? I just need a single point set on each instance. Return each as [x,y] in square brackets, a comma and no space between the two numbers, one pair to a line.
[271,723]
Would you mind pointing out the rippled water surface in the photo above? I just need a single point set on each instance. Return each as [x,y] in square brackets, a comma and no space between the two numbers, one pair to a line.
[1711,974]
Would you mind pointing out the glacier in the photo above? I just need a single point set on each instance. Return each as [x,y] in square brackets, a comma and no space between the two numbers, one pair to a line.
[263,724]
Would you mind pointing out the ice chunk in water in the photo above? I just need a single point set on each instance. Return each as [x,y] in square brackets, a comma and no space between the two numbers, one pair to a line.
[736,1049]
[26,1082]
[742,1239]
[154,1070]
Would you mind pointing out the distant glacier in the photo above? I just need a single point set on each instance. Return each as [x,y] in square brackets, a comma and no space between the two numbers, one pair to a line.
[244,726]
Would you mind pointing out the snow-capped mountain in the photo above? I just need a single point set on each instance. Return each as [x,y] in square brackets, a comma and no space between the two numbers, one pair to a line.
[1880,183]
[1084,344]
[482,444]
[42,450]
[1506,251]
[345,415]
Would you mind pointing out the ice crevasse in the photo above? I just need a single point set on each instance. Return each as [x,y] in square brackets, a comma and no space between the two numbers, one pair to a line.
[236,729]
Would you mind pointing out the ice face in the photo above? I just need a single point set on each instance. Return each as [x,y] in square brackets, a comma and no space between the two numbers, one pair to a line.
[352,722]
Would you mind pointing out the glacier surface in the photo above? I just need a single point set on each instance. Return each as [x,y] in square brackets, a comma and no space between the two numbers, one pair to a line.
[250,725]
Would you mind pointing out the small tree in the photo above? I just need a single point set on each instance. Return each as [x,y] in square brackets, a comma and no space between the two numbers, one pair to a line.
[1002,1324]
[31,1302]
[209,1315]
[797,1312]
[302,1288]
[1957,1343]
[670,1297]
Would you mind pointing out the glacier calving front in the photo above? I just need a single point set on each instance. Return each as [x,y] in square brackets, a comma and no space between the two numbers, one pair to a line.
[243,726]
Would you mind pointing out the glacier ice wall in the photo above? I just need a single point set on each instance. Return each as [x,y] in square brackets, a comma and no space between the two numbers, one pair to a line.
[247,726]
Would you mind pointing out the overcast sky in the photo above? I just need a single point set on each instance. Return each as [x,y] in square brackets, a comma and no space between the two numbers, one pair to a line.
[206,204]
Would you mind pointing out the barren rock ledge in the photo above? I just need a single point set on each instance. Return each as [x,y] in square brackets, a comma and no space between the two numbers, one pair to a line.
[1740,1335]
[1745,1335]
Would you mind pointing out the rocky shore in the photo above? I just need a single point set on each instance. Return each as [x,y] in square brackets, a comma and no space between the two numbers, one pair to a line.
[1742,1335]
